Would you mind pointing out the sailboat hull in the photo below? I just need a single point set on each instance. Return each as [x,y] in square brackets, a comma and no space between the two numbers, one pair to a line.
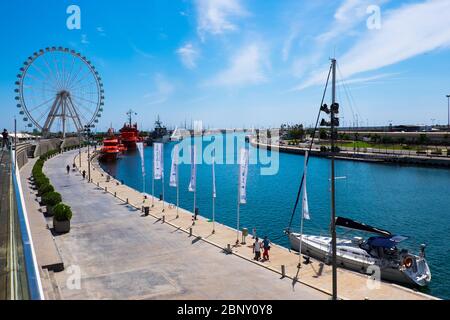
[351,256]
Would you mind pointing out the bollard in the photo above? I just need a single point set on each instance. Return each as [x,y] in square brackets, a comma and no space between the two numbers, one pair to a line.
[106,189]
[190,232]
[283,270]
[98,184]
[229,248]
[163,219]
[142,209]
[127,201]
[115,194]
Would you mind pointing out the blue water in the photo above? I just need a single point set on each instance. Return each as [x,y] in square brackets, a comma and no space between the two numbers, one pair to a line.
[406,200]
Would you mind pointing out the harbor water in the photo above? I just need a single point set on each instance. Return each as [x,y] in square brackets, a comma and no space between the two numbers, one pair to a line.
[406,200]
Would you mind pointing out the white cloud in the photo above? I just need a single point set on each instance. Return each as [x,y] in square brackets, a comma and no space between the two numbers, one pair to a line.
[163,90]
[215,16]
[101,31]
[405,33]
[141,52]
[245,68]
[84,39]
[293,34]
[188,55]
[348,15]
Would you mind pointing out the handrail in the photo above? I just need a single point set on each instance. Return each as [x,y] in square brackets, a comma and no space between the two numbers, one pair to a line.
[31,267]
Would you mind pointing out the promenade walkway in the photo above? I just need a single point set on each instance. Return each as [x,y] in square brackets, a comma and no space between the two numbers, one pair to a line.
[316,275]
[121,254]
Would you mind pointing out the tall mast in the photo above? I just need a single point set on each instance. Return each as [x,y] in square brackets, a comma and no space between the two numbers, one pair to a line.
[333,110]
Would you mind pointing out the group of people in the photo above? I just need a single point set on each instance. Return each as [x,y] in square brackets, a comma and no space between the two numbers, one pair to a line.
[5,139]
[261,245]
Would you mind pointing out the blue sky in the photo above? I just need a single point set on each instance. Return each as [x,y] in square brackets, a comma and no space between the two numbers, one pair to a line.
[243,62]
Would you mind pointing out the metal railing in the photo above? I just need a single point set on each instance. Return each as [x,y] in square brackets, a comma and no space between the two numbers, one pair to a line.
[20,277]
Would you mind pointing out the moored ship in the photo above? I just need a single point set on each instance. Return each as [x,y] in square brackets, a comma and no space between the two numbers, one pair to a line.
[129,134]
[111,147]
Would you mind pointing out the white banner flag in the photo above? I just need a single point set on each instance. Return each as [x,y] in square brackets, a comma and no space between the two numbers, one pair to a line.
[243,172]
[193,182]
[140,146]
[158,166]
[214,173]
[305,195]
[174,168]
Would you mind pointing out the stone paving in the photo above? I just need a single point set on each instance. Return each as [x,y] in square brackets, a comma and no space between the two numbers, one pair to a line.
[351,285]
[123,255]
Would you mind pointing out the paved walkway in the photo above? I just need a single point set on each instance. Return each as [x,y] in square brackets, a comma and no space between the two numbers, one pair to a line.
[123,255]
[351,285]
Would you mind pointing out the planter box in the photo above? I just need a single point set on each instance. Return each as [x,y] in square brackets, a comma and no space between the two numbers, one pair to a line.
[61,226]
[49,211]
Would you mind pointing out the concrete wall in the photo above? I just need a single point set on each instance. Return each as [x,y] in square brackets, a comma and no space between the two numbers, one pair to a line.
[22,154]
[45,146]
[70,142]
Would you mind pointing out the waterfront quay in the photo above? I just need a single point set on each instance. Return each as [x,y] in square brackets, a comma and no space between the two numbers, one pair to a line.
[395,157]
[124,254]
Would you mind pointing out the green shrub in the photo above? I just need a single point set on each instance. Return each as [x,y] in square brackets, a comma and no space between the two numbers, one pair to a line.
[51,199]
[46,188]
[41,181]
[62,212]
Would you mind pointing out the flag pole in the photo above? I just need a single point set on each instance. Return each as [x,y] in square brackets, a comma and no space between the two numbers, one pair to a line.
[238,208]
[214,193]
[162,177]
[178,193]
[303,213]
[153,178]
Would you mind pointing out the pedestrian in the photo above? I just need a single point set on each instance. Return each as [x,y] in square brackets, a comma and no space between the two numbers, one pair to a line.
[257,249]
[266,246]
[5,141]
[68,169]
[84,174]
[254,233]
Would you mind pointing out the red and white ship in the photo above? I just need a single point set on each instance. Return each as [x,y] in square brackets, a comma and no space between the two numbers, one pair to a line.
[112,147]
[129,134]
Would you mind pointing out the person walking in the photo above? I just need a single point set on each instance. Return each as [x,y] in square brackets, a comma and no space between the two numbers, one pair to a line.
[68,169]
[5,140]
[266,246]
[257,249]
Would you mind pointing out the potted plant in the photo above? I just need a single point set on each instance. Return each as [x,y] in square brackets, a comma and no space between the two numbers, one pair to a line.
[45,188]
[61,218]
[51,199]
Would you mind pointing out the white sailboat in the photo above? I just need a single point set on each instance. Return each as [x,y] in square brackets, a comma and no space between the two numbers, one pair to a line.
[357,254]
[362,255]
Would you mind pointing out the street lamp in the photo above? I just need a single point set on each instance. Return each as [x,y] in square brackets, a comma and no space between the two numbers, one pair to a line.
[87,130]
[448,112]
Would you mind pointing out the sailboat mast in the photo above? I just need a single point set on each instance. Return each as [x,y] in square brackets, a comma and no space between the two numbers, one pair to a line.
[333,191]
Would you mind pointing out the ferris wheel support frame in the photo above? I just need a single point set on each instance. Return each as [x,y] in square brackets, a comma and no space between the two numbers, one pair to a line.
[63,108]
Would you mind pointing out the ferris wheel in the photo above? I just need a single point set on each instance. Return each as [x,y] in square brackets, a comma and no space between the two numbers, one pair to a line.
[59,90]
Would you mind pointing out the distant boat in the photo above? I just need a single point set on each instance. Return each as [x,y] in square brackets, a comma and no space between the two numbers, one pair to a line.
[159,135]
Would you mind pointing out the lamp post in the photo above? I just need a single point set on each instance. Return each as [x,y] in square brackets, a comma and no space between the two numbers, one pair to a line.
[87,129]
[448,112]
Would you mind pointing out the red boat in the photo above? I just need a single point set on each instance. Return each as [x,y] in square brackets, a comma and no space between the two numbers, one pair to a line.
[129,134]
[111,147]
